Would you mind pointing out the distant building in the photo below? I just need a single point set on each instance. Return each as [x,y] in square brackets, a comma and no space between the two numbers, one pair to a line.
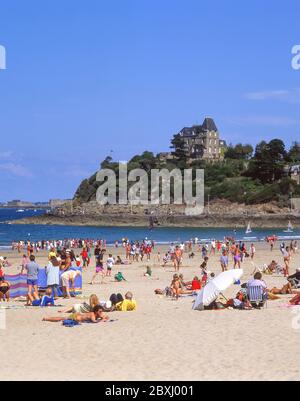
[19,203]
[203,141]
[295,173]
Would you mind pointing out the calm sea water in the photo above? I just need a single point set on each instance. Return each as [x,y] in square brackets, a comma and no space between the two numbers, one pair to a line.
[11,232]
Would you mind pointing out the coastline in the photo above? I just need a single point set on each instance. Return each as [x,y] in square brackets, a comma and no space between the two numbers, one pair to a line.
[180,221]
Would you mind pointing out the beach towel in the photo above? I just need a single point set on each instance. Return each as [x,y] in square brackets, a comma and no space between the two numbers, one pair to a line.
[70,323]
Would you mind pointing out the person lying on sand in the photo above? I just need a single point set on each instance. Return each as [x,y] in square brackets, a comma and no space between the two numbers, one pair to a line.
[285,290]
[96,316]
[85,307]
[295,301]
[128,305]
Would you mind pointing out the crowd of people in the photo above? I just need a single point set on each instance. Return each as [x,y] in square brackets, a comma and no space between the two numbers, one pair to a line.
[67,260]
[45,245]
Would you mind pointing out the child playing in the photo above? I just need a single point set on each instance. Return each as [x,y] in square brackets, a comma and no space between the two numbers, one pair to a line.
[148,272]
[99,270]
[175,287]
[110,263]
[46,300]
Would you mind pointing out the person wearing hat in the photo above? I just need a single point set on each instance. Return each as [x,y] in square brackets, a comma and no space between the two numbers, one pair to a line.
[67,278]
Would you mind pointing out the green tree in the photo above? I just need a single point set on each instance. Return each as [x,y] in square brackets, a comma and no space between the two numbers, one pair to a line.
[239,152]
[294,153]
[268,162]
[179,148]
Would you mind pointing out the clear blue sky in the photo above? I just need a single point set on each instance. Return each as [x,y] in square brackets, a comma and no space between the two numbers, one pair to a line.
[85,78]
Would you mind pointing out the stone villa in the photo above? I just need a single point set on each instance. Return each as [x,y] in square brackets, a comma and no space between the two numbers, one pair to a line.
[203,141]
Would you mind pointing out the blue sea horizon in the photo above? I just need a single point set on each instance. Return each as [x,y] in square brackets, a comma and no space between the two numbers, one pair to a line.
[161,235]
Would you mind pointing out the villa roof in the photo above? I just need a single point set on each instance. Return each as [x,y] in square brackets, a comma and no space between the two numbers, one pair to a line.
[209,125]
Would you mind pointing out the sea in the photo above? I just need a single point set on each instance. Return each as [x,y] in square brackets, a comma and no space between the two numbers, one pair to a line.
[12,232]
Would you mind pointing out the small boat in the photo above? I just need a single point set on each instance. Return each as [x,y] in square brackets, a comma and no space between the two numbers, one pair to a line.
[249,229]
[20,211]
[290,228]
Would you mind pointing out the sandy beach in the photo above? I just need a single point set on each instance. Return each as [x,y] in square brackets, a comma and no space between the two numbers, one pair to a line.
[162,340]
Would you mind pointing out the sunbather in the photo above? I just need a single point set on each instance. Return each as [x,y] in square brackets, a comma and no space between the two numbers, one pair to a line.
[296,300]
[286,289]
[94,317]
[85,307]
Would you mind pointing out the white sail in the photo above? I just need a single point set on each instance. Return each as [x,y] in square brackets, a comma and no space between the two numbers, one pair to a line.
[249,229]
[290,228]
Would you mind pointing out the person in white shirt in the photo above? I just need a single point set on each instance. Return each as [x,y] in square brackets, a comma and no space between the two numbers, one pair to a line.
[110,264]
[69,277]
[213,247]
[252,251]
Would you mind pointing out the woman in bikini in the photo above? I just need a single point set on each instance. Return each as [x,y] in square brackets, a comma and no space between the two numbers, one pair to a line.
[96,316]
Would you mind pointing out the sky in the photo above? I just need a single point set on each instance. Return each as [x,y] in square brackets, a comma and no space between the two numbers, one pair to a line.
[85,79]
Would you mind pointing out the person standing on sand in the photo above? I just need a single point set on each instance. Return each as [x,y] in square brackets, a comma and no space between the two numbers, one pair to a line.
[287,260]
[99,270]
[213,247]
[110,264]
[224,261]
[52,271]
[32,269]
[237,258]
[84,256]
[177,258]
[252,251]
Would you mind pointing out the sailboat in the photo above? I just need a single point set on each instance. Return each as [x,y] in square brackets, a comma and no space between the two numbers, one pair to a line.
[290,228]
[249,229]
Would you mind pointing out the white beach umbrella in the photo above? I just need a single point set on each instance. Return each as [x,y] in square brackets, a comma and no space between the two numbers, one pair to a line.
[214,288]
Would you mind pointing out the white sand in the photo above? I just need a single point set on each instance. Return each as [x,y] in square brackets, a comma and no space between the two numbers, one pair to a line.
[163,340]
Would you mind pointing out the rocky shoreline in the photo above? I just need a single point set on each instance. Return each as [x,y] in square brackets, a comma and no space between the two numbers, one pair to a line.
[181,221]
[221,214]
